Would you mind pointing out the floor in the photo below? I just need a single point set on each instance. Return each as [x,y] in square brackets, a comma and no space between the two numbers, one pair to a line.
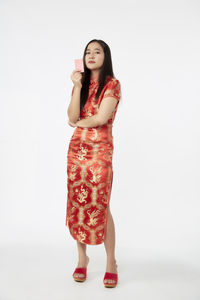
[43,272]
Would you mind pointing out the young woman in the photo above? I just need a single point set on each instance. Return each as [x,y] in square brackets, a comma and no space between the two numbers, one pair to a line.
[95,98]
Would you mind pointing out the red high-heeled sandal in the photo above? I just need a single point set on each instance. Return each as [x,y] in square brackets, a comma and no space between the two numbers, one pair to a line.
[80,271]
[112,276]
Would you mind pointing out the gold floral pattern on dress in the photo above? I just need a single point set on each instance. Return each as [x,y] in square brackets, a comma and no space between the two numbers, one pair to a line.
[104,198]
[72,172]
[108,154]
[81,236]
[96,174]
[95,136]
[88,112]
[71,216]
[82,152]
[81,196]
[81,215]
[93,220]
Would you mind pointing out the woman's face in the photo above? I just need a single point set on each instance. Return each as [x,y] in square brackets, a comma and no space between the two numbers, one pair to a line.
[94,56]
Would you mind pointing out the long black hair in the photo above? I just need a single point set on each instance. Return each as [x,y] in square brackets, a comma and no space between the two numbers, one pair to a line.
[106,70]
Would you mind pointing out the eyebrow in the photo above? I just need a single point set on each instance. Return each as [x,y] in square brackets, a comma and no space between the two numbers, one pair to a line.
[94,49]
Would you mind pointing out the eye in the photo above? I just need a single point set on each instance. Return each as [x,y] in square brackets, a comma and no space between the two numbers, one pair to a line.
[95,51]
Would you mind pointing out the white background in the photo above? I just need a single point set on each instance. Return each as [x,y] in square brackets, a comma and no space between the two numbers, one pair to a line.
[155,48]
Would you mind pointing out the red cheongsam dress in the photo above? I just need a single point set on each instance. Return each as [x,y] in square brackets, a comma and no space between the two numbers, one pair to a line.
[89,170]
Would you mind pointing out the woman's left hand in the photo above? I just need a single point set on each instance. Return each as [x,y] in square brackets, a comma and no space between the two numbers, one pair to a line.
[72,124]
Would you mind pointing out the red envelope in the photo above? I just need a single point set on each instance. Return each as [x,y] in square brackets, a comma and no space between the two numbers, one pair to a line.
[79,64]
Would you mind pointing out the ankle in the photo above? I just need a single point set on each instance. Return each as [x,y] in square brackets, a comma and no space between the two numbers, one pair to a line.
[82,257]
[111,261]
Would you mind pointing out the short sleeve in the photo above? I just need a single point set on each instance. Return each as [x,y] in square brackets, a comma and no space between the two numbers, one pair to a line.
[113,90]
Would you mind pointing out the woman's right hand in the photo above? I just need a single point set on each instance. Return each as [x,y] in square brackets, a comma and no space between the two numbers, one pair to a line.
[76,77]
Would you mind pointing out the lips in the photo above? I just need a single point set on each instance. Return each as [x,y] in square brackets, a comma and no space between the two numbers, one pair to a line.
[91,62]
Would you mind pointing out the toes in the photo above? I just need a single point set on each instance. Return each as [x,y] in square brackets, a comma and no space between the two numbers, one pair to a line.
[109,281]
[79,275]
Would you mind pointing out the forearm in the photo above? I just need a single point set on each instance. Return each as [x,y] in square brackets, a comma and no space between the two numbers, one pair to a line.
[74,106]
[89,122]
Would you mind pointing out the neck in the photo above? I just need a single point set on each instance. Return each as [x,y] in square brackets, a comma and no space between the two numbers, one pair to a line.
[94,74]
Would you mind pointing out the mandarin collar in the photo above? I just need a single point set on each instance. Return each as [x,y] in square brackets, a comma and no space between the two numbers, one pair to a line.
[94,80]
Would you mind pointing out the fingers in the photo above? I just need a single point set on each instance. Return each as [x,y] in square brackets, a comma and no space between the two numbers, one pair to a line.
[76,76]
[76,73]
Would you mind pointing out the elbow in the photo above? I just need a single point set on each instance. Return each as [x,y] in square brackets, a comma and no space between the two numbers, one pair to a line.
[73,118]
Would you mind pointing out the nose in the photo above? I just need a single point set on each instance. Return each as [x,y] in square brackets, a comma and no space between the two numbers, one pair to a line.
[91,56]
